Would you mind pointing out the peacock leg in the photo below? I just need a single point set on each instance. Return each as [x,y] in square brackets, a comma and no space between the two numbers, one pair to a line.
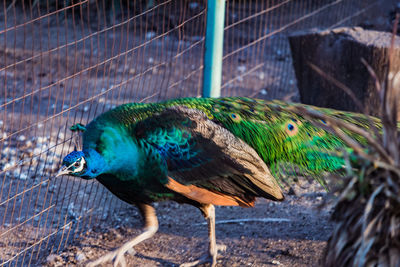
[211,257]
[150,228]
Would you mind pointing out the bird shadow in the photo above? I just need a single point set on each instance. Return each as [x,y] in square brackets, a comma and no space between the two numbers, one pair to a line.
[161,261]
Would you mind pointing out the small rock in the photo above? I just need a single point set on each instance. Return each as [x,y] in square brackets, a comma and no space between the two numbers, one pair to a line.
[193,5]
[7,166]
[276,262]
[80,256]
[28,143]
[12,151]
[36,151]
[41,139]
[150,35]
[20,175]
[52,258]
[241,68]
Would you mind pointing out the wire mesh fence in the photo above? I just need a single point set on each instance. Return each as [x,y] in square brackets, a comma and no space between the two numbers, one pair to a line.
[64,62]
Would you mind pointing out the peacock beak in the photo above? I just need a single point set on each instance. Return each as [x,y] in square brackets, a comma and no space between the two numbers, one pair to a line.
[62,171]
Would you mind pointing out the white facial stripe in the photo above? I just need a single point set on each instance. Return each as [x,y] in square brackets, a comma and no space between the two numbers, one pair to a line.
[81,165]
[81,162]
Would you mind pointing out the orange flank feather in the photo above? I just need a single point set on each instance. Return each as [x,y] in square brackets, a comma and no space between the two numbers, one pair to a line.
[205,196]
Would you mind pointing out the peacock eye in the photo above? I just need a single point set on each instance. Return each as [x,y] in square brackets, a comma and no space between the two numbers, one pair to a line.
[77,164]
[235,117]
[291,128]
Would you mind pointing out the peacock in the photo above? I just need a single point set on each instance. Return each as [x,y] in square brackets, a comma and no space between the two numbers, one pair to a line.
[203,152]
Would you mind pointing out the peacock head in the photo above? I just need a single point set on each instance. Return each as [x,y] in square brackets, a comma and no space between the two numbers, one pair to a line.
[85,164]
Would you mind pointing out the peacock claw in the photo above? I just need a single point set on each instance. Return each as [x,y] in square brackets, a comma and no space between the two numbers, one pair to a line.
[117,256]
[207,258]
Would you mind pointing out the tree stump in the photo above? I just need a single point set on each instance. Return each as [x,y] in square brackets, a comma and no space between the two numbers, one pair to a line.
[338,53]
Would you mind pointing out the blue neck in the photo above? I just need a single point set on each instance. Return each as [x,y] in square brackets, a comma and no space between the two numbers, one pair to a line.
[96,164]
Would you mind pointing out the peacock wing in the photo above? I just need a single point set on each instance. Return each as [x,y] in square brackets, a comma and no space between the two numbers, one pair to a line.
[205,160]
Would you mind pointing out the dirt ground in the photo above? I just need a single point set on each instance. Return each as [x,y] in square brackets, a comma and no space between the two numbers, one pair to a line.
[55,90]
[289,233]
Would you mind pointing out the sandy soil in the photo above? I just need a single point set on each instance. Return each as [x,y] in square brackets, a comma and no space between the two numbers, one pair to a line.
[294,233]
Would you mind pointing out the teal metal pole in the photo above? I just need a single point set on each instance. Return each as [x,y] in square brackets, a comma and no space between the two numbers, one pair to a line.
[214,48]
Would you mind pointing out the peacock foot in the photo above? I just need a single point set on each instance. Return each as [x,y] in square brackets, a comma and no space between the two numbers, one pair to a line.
[210,257]
[118,255]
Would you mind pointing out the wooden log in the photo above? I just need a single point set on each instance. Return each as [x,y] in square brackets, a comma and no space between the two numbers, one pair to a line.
[338,53]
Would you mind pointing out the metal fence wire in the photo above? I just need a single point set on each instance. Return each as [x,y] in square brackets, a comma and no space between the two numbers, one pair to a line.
[64,62]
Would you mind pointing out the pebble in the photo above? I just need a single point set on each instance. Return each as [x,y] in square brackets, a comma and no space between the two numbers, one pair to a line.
[80,256]
[41,139]
[71,211]
[20,175]
[193,5]
[276,262]
[7,166]
[241,68]
[53,258]
[28,143]
[150,35]
[36,151]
